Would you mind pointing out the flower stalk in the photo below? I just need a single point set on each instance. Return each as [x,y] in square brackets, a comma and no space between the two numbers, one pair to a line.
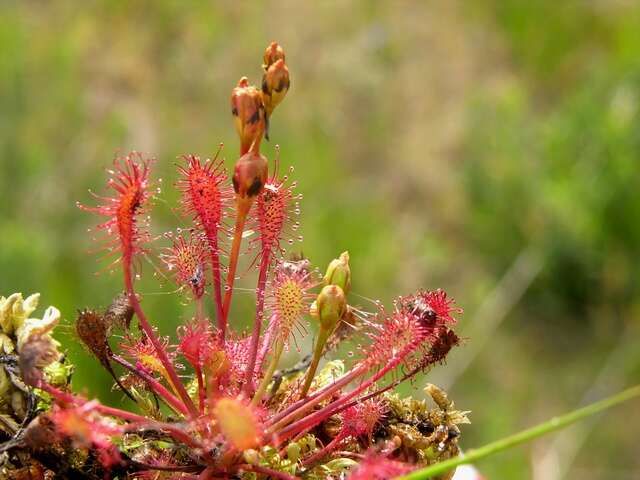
[257,324]
[176,383]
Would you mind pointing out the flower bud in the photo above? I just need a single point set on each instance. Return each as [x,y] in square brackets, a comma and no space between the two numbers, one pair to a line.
[248,114]
[339,273]
[275,85]
[250,175]
[272,54]
[92,329]
[331,305]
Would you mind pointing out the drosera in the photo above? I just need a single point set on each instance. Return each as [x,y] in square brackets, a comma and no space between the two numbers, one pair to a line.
[216,396]
[211,402]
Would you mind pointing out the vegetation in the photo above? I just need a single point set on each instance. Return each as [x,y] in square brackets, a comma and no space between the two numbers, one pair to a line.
[438,148]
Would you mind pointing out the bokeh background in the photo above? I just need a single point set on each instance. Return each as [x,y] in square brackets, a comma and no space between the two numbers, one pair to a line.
[489,148]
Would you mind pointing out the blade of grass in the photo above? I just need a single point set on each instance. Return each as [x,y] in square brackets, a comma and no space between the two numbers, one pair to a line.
[555,423]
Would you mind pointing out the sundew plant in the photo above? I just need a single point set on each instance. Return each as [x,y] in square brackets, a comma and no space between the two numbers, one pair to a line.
[214,402]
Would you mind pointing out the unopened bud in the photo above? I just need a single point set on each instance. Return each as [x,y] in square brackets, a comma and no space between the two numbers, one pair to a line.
[92,329]
[250,175]
[275,85]
[331,304]
[339,273]
[272,54]
[248,114]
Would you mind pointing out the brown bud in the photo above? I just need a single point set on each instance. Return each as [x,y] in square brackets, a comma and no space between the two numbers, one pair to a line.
[250,175]
[272,54]
[275,85]
[91,328]
[248,115]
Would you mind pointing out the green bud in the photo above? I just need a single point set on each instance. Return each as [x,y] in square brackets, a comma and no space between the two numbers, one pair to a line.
[331,305]
[339,273]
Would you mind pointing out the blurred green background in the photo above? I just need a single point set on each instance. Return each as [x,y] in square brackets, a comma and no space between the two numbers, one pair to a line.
[490,148]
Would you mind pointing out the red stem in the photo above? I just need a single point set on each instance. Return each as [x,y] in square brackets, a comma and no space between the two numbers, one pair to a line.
[308,403]
[322,413]
[201,390]
[140,421]
[116,412]
[69,398]
[162,355]
[266,343]
[174,431]
[324,451]
[330,409]
[154,384]
[257,324]
[380,391]
[242,209]
[217,284]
